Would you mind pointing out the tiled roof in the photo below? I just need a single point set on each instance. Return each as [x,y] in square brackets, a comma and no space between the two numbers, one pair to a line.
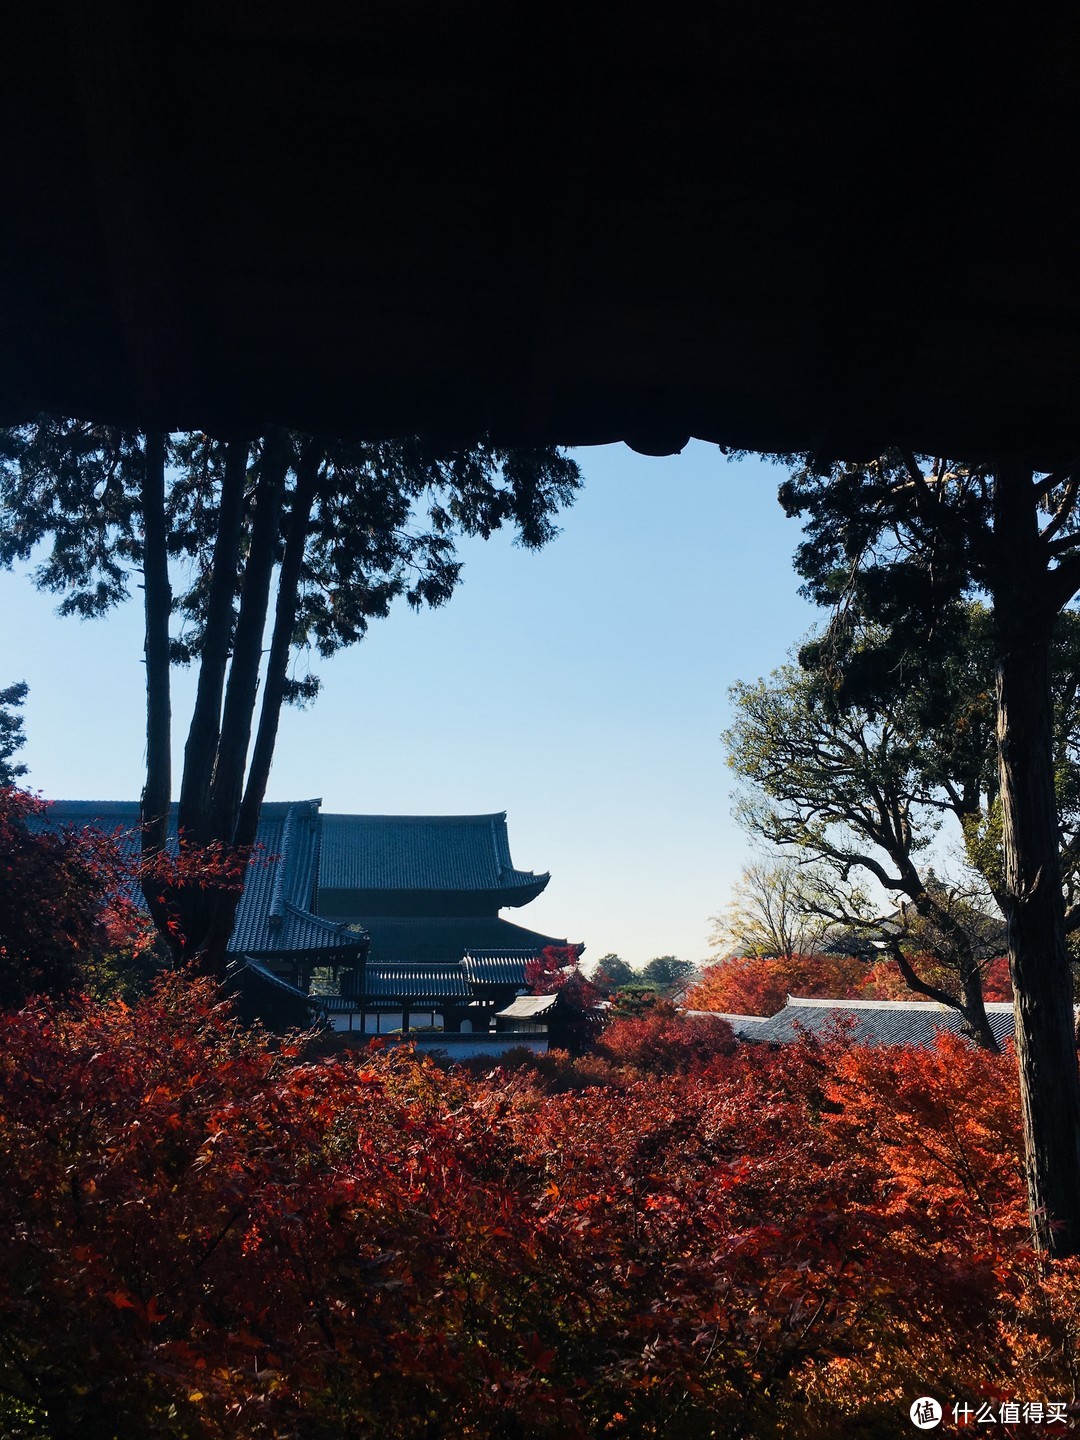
[273,915]
[263,995]
[421,852]
[735,1021]
[871,1022]
[497,967]
[445,939]
[528,1007]
[298,931]
[274,982]
[442,982]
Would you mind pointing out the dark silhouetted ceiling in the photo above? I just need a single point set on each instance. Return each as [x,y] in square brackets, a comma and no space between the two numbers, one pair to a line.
[773,226]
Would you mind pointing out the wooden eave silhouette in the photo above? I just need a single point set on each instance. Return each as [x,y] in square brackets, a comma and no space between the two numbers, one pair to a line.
[773,226]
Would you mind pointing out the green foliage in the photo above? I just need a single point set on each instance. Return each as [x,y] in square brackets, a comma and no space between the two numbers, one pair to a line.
[668,975]
[127,972]
[382,524]
[610,972]
[904,552]
[11,732]
[856,790]
[633,1001]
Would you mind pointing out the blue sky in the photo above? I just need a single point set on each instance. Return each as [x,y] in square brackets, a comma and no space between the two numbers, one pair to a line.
[582,689]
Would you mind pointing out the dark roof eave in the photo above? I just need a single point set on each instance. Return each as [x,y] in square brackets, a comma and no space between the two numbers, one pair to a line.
[309,952]
[367,905]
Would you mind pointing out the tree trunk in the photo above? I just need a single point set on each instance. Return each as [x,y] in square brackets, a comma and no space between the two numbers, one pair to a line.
[243,687]
[962,955]
[220,920]
[157,603]
[1035,908]
[975,1006]
[204,731]
[277,665]
[207,910]
[972,1007]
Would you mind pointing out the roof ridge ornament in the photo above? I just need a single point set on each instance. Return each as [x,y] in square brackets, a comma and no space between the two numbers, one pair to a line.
[277,894]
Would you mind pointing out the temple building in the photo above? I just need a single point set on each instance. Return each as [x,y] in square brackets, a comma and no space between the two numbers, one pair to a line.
[427,890]
[376,922]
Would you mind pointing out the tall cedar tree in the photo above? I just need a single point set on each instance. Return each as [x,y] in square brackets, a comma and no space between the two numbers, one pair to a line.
[261,548]
[903,542]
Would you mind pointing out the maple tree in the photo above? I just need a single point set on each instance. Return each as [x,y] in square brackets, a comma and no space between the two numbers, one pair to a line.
[664,1041]
[882,981]
[205,1235]
[557,971]
[748,1243]
[65,903]
[760,985]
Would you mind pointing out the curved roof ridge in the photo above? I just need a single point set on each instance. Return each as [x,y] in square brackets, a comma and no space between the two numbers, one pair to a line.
[90,806]
[822,1003]
[332,927]
[276,807]
[460,853]
[483,819]
[277,893]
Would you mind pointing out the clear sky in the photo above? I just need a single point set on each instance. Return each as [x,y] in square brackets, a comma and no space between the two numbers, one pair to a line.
[582,689]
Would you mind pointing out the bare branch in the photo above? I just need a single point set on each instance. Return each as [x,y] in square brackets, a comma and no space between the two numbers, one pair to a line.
[916,983]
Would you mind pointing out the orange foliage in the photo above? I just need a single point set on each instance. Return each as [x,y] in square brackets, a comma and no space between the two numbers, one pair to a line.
[203,1237]
[751,986]
[64,902]
[663,1042]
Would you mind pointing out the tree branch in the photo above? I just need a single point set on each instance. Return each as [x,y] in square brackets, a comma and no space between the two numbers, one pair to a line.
[920,986]
[1049,483]
[1064,507]
[1064,580]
